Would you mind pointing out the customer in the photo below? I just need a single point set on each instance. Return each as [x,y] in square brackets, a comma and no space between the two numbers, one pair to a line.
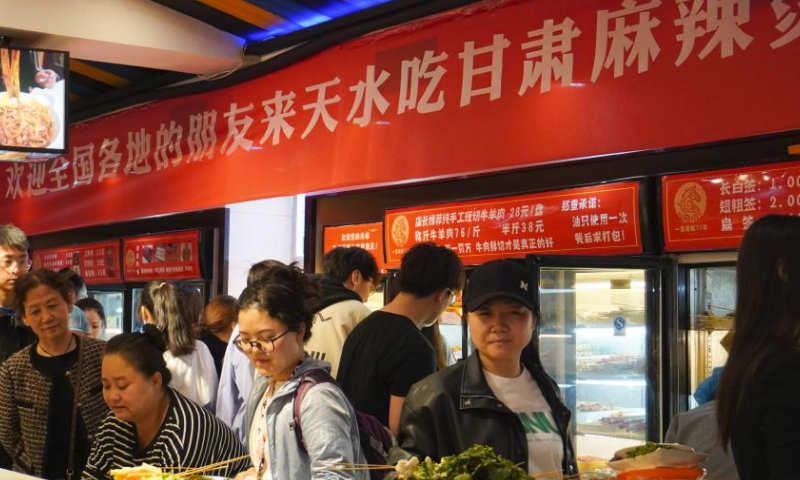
[152,423]
[51,397]
[697,428]
[14,335]
[189,360]
[274,323]
[78,322]
[349,276]
[498,396]
[96,315]
[218,321]
[236,379]
[386,353]
[759,392]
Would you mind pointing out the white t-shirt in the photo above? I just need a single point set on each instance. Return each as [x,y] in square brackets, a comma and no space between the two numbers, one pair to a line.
[194,375]
[522,396]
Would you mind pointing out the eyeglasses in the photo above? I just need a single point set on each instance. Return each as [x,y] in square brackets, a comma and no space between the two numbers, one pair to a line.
[23,264]
[453,297]
[264,346]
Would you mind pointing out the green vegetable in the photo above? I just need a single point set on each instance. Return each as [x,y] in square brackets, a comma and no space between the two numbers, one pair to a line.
[479,462]
[648,447]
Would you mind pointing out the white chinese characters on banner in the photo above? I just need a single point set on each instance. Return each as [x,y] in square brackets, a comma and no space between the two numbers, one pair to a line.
[625,39]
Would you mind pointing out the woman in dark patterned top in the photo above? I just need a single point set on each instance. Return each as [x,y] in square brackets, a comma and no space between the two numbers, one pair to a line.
[150,422]
[51,400]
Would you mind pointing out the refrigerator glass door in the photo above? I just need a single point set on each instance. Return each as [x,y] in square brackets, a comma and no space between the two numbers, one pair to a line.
[712,299]
[593,342]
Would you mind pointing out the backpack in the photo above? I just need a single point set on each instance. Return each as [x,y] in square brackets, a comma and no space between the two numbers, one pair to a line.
[376,440]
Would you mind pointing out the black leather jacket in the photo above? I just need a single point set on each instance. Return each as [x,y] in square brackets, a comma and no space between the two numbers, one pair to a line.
[451,410]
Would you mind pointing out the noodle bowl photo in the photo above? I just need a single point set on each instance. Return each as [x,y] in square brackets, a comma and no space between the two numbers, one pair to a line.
[26,121]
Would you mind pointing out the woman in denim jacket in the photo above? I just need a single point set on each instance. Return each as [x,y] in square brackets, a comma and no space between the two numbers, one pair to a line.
[275,318]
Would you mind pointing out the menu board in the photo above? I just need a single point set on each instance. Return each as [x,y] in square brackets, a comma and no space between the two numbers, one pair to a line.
[712,210]
[97,263]
[171,256]
[368,236]
[598,220]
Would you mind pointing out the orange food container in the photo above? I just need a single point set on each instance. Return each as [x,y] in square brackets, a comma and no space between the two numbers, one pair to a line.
[664,473]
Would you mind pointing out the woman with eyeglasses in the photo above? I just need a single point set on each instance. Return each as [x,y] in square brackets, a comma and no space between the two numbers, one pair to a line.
[151,422]
[169,309]
[51,402]
[275,318]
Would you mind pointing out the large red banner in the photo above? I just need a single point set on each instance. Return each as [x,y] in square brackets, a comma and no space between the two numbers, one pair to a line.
[171,256]
[600,220]
[712,210]
[490,86]
[97,263]
[368,236]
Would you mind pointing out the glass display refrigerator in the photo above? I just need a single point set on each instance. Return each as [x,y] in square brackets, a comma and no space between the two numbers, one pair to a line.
[599,338]
[706,314]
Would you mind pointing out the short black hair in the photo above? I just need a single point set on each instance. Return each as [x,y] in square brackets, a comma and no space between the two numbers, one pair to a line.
[339,263]
[428,267]
[262,270]
[13,238]
[73,278]
[288,295]
[92,304]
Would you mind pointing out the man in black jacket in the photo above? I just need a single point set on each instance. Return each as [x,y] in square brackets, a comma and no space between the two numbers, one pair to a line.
[14,335]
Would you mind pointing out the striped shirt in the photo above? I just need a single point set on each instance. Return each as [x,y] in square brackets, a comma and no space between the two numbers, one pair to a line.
[190,437]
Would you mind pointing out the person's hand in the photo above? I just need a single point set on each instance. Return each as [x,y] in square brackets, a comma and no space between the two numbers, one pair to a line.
[46,78]
[249,474]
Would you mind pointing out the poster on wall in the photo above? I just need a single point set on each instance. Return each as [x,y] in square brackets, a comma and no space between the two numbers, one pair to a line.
[97,263]
[598,220]
[170,256]
[368,236]
[712,210]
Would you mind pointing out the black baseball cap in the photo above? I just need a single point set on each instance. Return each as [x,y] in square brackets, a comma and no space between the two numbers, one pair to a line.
[500,278]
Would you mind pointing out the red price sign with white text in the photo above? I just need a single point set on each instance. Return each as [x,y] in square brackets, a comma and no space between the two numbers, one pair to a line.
[712,210]
[368,236]
[172,256]
[97,263]
[599,220]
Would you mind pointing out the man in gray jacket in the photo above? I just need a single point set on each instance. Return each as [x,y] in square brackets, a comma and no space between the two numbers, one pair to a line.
[349,276]
[698,429]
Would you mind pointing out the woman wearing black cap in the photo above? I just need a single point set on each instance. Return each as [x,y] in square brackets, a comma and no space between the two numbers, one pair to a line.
[498,396]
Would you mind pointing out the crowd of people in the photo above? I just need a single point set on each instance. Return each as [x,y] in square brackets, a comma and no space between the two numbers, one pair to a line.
[286,381]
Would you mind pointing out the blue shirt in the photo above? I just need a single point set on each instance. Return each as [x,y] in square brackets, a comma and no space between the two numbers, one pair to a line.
[78,321]
[235,383]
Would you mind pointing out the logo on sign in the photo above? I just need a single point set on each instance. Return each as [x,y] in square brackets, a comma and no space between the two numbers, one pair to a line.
[690,202]
[400,231]
[619,326]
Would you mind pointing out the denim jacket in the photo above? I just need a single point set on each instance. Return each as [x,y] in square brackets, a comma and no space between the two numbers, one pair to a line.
[330,431]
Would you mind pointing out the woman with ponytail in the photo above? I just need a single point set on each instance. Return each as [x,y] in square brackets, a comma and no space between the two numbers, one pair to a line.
[759,393]
[151,422]
[167,307]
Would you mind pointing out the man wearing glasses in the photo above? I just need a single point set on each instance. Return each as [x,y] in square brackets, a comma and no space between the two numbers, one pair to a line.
[14,335]
[386,353]
[349,276]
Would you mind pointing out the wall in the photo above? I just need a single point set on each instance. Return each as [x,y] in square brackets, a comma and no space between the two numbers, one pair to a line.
[260,230]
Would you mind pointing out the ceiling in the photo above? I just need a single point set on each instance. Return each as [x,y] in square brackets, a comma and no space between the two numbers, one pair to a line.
[131,51]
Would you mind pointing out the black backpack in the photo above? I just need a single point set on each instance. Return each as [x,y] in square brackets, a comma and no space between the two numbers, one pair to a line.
[376,439]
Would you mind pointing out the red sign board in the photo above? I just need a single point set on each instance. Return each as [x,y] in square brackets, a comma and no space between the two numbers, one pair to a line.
[712,210]
[97,263]
[490,86]
[599,220]
[368,236]
[172,256]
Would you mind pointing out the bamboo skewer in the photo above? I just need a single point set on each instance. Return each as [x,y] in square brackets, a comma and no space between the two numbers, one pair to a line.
[208,468]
